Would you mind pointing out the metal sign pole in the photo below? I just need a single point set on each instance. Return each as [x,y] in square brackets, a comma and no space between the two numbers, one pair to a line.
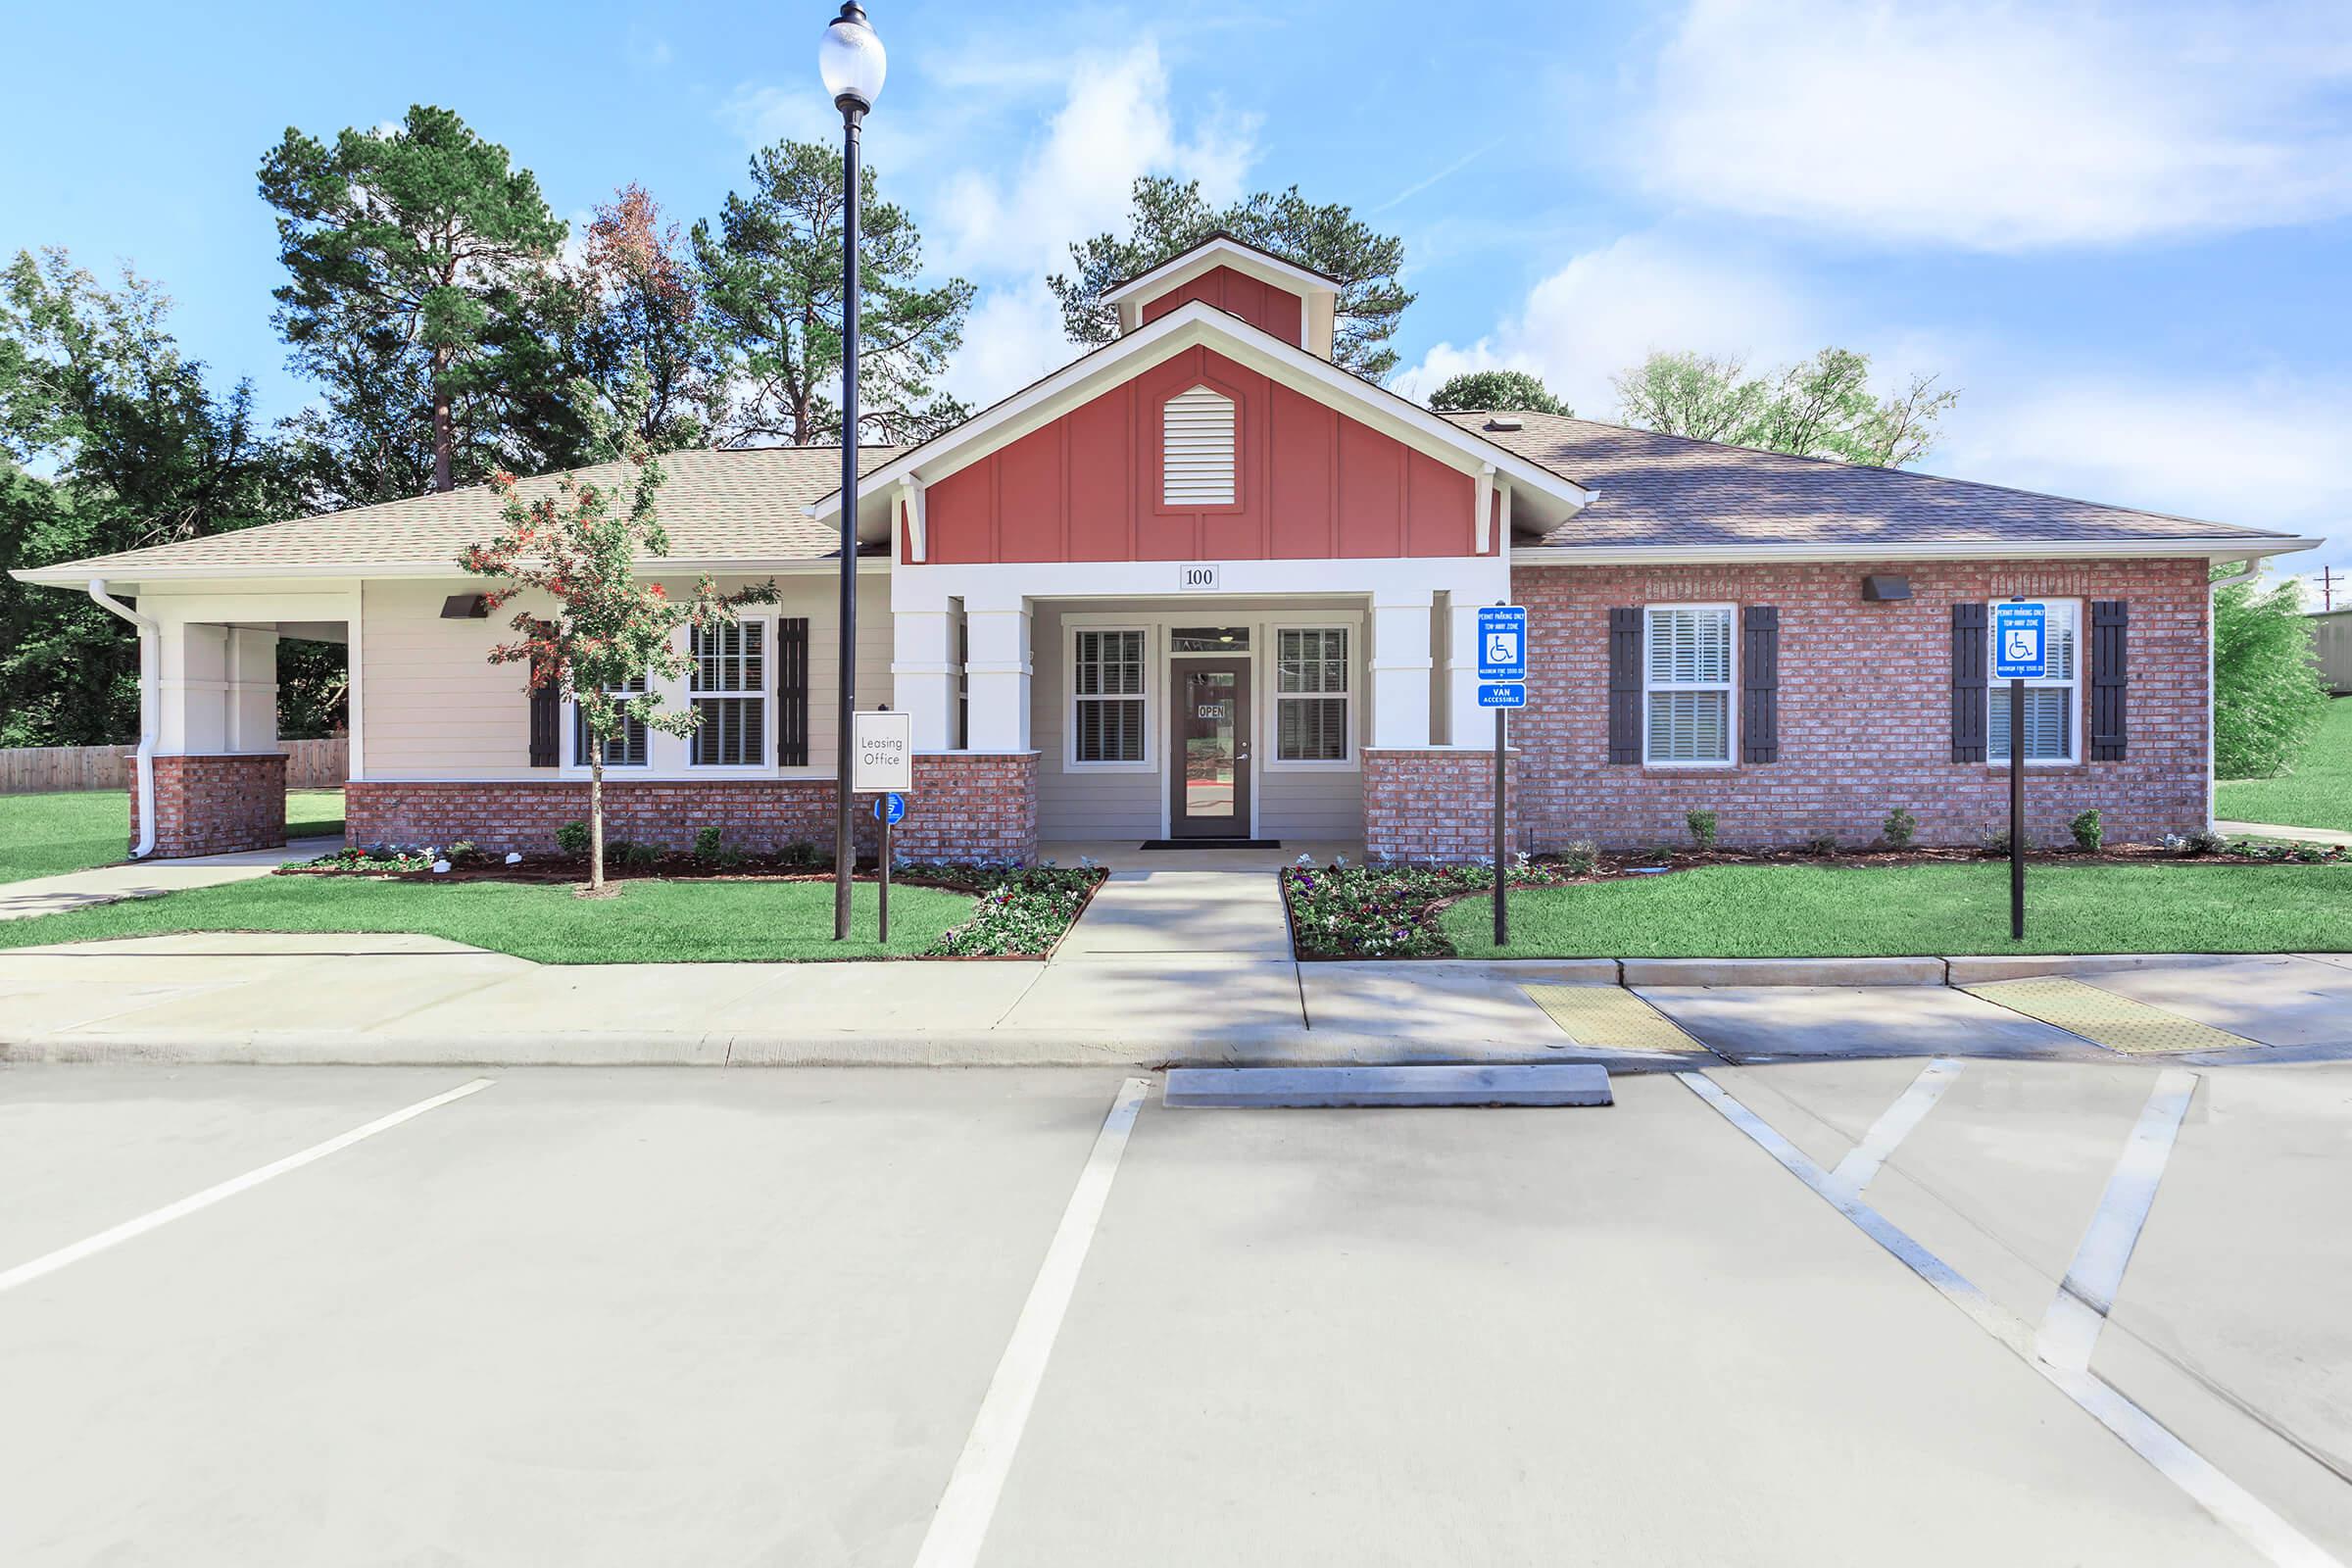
[1502,875]
[2017,810]
[885,889]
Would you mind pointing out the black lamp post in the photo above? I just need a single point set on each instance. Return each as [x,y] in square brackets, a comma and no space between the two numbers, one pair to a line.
[851,62]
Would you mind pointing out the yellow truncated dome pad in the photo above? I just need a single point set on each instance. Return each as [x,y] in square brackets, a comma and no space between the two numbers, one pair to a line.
[2106,1019]
[1609,1018]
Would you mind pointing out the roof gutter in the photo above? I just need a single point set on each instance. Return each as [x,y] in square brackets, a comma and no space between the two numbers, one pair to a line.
[150,673]
[2248,547]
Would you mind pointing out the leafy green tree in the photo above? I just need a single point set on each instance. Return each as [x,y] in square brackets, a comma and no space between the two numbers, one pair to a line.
[1516,390]
[2268,697]
[642,306]
[1167,216]
[110,440]
[1820,408]
[579,546]
[422,294]
[771,277]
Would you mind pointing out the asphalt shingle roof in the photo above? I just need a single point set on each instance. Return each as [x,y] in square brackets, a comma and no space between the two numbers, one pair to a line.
[716,505]
[1663,490]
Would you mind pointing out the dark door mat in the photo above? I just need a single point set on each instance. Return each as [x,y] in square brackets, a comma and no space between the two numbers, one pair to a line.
[1211,844]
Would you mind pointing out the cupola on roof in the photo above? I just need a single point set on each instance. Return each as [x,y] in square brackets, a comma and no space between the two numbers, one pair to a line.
[1294,303]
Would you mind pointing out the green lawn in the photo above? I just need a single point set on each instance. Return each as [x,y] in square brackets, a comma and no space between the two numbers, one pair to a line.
[2317,794]
[43,835]
[1791,911]
[648,922]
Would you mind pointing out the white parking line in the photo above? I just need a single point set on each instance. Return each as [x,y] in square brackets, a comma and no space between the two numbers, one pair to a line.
[50,1263]
[1894,1124]
[960,1522]
[2238,1510]
[2071,1327]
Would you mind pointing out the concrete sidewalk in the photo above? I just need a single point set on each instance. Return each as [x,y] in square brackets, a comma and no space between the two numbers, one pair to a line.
[145,879]
[2273,830]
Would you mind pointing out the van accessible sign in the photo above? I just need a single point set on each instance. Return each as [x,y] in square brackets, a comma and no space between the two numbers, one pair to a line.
[882,755]
[2019,640]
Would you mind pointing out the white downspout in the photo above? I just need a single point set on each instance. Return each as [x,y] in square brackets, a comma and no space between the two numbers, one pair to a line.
[150,674]
[2211,636]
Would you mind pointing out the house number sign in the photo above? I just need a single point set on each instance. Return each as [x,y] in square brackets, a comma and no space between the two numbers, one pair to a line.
[1201,578]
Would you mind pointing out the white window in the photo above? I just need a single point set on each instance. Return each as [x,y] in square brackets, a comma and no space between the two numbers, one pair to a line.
[1196,465]
[2052,704]
[1686,685]
[1106,693]
[625,747]
[1312,695]
[727,686]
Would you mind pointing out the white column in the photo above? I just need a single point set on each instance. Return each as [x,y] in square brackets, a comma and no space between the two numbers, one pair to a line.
[1473,725]
[999,672]
[923,665]
[1401,667]
[194,695]
[252,707]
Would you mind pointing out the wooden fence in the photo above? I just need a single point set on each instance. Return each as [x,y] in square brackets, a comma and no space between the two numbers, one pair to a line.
[30,769]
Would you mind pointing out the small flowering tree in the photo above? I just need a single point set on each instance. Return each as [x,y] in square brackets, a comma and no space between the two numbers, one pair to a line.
[579,546]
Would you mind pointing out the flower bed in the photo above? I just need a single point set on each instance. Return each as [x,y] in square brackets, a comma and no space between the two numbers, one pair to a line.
[1021,913]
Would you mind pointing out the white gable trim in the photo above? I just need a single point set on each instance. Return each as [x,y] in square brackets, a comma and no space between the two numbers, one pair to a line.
[1194,325]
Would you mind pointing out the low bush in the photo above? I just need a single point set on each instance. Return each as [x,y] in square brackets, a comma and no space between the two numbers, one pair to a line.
[1822,843]
[573,838]
[1900,828]
[1579,859]
[2088,834]
[1702,829]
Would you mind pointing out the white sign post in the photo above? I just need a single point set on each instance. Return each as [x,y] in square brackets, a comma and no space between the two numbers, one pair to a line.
[882,762]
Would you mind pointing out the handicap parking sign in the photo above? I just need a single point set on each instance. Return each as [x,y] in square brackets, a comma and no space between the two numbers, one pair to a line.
[891,807]
[1502,643]
[2019,640]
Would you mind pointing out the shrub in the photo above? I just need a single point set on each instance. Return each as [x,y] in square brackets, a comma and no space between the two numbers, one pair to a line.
[801,855]
[2088,834]
[1996,841]
[573,838]
[1824,843]
[462,852]
[2268,698]
[1900,828]
[1702,829]
[706,844]
[1579,859]
[637,857]
[2206,843]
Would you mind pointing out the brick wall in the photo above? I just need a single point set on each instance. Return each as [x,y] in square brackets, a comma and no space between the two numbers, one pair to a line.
[1865,707]
[975,805]
[964,808]
[214,804]
[1436,805]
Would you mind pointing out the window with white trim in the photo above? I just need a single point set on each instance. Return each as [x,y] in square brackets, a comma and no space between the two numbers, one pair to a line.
[1313,696]
[1686,684]
[1106,693]
[726,685]
[1196,462]
[625,747]
[2052,703]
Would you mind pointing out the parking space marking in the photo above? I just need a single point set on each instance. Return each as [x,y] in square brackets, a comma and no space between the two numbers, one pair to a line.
[2071,1327]
[960,1522]
[1611,1019]
[1894,1124]
[2239,1510]
[50,1263]
[2105,1018]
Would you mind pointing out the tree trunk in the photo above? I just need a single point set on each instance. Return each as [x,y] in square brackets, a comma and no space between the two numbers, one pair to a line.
[595,816]
[444,434]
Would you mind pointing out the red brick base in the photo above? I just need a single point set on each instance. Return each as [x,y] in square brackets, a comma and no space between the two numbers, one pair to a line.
[214,804]
[964,808]
[1436,806]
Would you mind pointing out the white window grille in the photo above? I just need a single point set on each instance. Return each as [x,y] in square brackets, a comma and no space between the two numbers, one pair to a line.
[1688,684]
[727,686]
[1312,695]
[1107,689]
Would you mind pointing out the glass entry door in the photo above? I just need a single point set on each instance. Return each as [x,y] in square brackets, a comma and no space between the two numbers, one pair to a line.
[1209,760]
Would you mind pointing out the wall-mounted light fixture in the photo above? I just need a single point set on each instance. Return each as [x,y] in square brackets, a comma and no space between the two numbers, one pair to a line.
[466,606]
[1884,590]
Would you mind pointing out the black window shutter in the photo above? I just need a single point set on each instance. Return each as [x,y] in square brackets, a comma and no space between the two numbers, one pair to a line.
[1625,685]
[1760,686]
[792,692]
[547,721]
[1968,683]
[2110,626]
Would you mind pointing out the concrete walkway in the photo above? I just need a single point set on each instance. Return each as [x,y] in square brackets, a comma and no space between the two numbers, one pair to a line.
[2273,830]
[144,879]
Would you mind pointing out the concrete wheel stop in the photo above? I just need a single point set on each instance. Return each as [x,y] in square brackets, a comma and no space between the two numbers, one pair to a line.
[1450,1084]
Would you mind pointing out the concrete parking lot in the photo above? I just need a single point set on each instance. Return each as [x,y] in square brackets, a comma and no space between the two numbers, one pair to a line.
[694,1317]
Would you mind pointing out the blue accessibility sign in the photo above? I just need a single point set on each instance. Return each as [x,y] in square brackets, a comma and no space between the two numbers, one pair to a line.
[2019,640]
[891,808]
[1501,694]
[1503,645]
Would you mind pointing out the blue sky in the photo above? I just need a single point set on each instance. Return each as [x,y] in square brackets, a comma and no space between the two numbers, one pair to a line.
[2124,232]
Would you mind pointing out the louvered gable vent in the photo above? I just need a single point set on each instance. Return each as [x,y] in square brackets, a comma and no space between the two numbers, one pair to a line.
[1195,467]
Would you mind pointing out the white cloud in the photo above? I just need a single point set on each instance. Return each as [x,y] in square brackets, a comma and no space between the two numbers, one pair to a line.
[1113,125]
[1606,309]
[2004,127]
[2265,452]
[1012,337]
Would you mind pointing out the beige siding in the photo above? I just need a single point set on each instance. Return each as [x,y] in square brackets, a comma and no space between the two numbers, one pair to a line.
[433,707]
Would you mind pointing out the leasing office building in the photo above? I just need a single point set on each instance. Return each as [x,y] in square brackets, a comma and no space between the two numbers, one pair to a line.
[1200,584]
